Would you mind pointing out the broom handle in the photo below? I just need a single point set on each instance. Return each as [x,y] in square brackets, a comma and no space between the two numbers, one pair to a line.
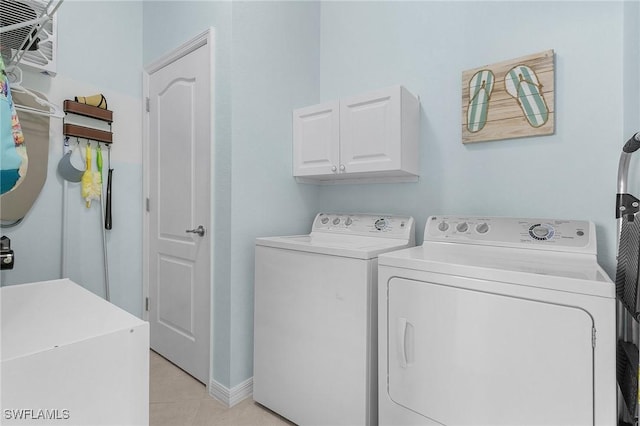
[107,221]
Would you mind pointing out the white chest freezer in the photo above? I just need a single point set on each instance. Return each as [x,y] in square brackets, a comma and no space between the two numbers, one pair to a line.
[69,357]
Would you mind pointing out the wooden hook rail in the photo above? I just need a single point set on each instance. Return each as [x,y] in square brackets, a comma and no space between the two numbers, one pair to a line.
[87,133]
[84,132]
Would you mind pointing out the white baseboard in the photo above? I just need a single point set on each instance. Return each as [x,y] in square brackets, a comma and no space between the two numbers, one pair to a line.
[231,397]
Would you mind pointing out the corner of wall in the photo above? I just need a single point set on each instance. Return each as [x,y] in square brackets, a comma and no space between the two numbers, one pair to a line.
[631,67]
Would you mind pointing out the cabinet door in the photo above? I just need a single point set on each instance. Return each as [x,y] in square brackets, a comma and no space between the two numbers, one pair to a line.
[370,132]
[316,140]
[463,357]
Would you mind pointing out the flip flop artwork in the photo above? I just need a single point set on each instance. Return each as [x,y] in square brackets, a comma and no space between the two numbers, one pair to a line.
[480,88]
[522,84]
[509,99]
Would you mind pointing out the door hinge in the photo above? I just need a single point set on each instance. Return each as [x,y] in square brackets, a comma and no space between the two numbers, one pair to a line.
[148,203]
[593,337]
[146,304]
[148,104]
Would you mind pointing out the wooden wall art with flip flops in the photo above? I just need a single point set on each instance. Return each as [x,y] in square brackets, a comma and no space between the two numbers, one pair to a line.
[510,99]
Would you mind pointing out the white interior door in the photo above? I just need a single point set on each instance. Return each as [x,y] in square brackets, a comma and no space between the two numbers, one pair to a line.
[179,156]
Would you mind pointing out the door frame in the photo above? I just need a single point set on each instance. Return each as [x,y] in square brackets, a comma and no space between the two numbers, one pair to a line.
[206,38]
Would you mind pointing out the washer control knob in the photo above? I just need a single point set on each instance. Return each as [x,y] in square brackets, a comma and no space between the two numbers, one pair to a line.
[462,227]
[443,226]
[336,221]
[381,224]
[324,220]
[348,222]
[482,228]
[540,231]
[334,168]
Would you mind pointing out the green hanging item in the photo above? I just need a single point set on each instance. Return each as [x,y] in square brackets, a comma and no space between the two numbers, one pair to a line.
[99,161]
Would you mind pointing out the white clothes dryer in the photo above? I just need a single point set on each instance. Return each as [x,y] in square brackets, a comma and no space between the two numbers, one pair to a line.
[315,322]
[497,321]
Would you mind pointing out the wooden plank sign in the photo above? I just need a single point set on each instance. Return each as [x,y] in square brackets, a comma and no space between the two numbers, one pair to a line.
[510,99]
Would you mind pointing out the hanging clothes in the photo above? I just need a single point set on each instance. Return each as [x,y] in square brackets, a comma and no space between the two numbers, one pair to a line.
[12,151]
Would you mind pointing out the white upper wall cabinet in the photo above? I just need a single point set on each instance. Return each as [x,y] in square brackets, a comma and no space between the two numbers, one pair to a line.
[372,137]
[316,139]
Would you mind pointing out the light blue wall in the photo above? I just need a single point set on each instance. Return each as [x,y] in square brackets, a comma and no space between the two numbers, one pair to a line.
[100,42]
[267,63]
[275,68]
[427,45]
[99,46]
[631,85]
[631,71]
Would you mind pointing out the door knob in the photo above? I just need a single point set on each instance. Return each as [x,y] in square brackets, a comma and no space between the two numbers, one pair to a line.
[199,230]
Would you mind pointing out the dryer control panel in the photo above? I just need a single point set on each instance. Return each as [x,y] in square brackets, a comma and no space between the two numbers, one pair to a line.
[389,226]
[544,234]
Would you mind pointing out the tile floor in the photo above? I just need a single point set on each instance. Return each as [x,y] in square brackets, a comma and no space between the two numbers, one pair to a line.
[177,399]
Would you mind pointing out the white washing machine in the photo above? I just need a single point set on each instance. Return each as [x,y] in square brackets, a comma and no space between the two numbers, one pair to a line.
[497,321]
[315,323]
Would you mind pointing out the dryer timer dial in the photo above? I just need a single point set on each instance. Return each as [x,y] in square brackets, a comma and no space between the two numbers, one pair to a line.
[541,232]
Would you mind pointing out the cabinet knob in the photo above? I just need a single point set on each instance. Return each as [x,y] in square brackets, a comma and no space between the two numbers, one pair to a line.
[342,167]
[334,168]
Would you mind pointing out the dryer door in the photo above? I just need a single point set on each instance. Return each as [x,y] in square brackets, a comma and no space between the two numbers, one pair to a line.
[465,357]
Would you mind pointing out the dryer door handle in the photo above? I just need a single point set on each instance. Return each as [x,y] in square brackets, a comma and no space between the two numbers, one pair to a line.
[405,342]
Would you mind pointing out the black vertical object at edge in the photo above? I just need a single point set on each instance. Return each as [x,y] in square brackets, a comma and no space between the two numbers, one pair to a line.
[107,220]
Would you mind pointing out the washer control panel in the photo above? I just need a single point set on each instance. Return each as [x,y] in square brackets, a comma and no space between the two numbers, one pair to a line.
[552,234]
[390,226]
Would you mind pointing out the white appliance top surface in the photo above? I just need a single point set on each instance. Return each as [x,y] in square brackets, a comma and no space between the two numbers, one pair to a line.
[40,316]
[576,236]
[565,264]
[360,236]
